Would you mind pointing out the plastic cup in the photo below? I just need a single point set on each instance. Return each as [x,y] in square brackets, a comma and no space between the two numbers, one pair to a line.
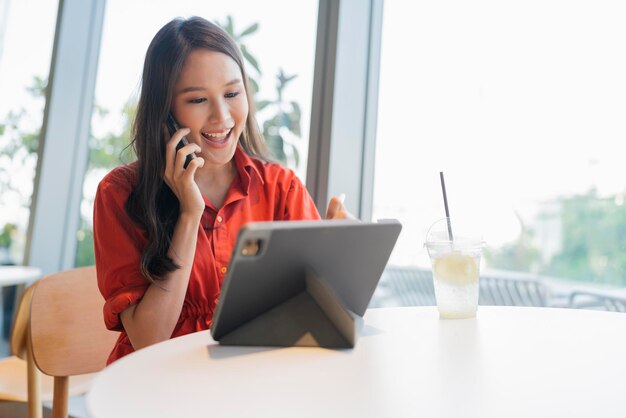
[455,266]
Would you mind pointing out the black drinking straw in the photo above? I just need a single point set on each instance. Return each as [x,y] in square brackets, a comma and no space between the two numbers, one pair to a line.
[445,203]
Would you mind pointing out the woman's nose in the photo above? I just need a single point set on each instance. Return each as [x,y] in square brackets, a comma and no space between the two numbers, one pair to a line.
[219,112]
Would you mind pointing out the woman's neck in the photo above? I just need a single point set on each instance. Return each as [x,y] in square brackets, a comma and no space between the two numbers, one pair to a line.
[214,182]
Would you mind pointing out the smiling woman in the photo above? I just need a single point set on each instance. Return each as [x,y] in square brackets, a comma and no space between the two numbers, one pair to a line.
[164,233]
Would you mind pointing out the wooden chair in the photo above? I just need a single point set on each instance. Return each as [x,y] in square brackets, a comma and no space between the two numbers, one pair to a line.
[67,332]
[20,381]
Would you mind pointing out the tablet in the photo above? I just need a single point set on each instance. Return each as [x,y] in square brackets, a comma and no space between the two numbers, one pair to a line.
[273,261]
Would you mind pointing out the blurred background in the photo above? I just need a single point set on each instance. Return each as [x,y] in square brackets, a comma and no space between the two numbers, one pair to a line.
[521,104]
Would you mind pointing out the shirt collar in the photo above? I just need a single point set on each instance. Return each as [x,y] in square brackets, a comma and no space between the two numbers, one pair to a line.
[246,168]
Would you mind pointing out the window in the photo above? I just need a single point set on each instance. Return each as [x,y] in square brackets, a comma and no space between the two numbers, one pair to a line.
[24,64]
[522,106]
[23,80]
[279,44]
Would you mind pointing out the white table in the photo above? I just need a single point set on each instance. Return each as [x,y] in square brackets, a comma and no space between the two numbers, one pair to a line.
[507,362]
[12,275]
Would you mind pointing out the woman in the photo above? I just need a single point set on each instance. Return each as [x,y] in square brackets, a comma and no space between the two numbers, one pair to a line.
[164,233]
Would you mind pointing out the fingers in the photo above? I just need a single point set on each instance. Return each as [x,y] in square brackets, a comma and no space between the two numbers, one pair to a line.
[181,156]
[175,159]
[174,139]
[337,210]
[335,207]
[170,148]
[180,180]
[174,142]
[332,208]
[193,165]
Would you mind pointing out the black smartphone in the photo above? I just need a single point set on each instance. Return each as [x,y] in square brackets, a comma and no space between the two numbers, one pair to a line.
[172,126]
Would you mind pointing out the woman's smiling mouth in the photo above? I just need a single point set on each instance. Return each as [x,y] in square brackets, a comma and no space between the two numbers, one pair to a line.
[217,139]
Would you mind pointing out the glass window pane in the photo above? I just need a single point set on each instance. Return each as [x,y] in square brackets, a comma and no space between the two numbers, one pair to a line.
[279,44]
[26,41]
[522,106]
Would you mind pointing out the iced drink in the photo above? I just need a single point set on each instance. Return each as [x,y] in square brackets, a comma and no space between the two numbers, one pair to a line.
[455,277]
[455,267]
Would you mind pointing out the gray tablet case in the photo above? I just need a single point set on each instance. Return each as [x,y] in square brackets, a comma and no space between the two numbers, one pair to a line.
[301,283]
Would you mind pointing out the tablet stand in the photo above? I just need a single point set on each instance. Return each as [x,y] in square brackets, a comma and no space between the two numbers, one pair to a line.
[314,317]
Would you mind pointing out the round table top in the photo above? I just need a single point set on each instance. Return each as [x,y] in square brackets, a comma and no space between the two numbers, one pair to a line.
[10,275]
[506,362]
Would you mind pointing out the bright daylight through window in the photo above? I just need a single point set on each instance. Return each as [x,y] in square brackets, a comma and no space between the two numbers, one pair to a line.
[522,105]
[23,79]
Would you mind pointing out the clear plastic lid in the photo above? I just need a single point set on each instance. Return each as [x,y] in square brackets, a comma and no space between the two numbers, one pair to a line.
[449,235]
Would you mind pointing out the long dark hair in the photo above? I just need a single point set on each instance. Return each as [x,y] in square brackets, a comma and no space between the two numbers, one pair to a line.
[152,204]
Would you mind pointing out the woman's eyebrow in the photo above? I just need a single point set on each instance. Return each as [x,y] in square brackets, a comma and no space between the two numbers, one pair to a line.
[234,81]
[200,88]
[191,88]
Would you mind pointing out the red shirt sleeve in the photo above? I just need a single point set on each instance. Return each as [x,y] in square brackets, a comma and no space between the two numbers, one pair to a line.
[299,204]
[117,245]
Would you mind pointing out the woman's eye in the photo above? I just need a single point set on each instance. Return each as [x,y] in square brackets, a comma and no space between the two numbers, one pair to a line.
[231,95]
[200,100]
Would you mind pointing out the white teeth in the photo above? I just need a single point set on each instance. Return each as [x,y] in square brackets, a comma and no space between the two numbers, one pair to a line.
[217,135]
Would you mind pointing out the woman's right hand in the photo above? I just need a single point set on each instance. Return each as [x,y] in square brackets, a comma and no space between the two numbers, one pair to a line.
[181,179]
[154,317]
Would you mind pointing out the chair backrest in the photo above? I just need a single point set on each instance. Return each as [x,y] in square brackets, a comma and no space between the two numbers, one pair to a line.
[404,286]
[587,299]
[516,291]
[20,347]
[19,329]
[413,286]
[68,334]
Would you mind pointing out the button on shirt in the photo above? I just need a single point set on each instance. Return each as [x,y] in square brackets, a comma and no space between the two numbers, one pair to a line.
[260,192]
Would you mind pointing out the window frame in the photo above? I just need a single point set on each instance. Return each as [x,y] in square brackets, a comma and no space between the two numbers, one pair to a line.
[63,145]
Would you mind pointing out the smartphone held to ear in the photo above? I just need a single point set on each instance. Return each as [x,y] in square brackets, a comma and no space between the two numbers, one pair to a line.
[172,126]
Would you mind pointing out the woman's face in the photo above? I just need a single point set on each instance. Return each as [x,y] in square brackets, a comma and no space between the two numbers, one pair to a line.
[210,100]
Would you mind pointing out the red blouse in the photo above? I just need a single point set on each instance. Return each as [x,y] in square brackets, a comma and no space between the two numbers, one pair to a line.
[260,192]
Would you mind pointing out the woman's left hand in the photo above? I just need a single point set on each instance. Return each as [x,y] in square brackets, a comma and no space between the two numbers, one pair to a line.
[336,209]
